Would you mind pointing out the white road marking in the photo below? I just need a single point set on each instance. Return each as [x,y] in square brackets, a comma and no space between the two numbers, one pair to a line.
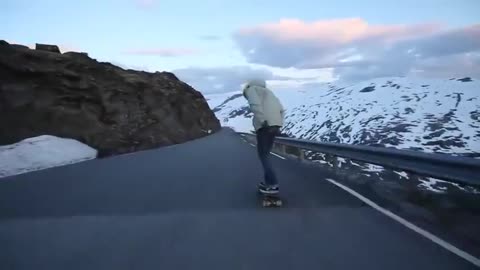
[270,152]
[277,155]
[406,223]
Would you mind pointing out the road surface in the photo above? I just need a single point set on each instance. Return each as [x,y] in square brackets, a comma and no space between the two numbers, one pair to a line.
[194,206]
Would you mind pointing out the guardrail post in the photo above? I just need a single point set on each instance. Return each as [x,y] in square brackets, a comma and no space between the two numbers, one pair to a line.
[282,149]
[332,159]
[301,155]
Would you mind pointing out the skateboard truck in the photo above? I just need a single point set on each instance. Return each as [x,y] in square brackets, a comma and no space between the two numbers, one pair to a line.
[269,200]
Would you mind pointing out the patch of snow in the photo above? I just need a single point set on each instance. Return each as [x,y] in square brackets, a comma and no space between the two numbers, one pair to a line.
[40,153]
[429,183]
[319,161]
[355,164]
[402,174]
[441,186]
[322,155]
[340,161]
[373,168]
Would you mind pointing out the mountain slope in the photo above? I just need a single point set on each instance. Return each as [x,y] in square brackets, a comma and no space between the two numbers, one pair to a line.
[428,115]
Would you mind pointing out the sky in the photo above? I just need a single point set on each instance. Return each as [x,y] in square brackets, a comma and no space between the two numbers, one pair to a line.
[216,45]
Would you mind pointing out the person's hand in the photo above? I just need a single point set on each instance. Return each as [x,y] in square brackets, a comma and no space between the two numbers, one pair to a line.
[275,130]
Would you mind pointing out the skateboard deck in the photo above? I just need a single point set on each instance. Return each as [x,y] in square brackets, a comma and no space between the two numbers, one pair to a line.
[271,200]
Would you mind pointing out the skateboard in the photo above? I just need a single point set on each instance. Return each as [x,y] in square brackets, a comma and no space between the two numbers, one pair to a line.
[271,200]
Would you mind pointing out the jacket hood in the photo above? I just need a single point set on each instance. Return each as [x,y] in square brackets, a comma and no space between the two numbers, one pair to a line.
[256,82]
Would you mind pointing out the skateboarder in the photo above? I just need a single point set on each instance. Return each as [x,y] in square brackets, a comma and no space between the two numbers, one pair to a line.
[268,117]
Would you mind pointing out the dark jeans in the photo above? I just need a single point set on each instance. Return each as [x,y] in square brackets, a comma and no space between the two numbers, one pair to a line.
[265,137]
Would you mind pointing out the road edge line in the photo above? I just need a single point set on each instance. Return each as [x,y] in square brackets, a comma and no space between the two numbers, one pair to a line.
[277,155]
[463,254]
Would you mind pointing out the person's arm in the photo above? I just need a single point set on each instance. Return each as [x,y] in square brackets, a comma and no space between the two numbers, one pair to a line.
[282,112]
[255,104]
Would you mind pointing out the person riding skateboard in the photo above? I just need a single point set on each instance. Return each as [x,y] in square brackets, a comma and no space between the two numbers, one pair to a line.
[268,118]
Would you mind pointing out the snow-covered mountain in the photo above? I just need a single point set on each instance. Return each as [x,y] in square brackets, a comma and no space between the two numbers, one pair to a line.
[428,115]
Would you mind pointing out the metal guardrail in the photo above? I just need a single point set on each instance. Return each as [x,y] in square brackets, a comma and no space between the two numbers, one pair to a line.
[456,169]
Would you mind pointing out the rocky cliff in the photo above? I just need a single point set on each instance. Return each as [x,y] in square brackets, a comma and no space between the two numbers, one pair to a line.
[111,109]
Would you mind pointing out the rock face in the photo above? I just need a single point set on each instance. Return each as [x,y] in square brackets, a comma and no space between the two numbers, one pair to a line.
[48,48]
[111,109]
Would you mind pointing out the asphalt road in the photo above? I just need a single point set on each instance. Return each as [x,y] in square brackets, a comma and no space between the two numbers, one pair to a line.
[194,206]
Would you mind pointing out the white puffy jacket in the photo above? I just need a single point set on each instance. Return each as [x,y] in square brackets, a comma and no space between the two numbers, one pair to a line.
[264,104]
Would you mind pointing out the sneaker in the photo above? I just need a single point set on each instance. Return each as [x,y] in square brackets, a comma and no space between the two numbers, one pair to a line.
[261,185]
[264,189]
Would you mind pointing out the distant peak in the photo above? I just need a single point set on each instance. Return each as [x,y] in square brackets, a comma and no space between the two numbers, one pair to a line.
[466,79]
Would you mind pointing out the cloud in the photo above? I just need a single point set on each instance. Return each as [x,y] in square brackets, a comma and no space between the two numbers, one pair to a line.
[458,65]
[223,79]
[318,44]
[163,52]
[355,49]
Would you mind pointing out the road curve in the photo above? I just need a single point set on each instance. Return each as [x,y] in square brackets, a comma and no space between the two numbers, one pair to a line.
[194,206]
